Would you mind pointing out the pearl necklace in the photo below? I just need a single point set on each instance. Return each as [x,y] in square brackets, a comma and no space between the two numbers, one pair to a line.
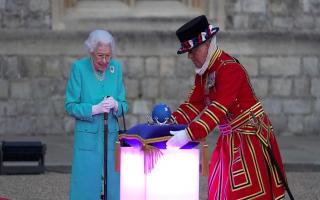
[99,76]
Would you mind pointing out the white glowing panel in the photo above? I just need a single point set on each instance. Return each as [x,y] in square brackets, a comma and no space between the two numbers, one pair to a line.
[132,178]
[175,176]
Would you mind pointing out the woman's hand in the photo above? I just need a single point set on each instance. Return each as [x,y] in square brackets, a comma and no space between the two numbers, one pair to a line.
[111,103]
[102,107]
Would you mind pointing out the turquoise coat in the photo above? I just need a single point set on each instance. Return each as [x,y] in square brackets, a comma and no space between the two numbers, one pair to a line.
[83,91]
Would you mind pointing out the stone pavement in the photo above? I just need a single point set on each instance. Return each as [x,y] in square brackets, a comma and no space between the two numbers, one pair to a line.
[55,186]
[299,153]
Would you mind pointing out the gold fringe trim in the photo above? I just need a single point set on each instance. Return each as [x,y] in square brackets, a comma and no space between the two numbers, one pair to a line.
[151,157]
[117,156]
[204,158]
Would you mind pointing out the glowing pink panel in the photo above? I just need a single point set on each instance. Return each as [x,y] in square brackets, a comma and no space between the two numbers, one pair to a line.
[175,176]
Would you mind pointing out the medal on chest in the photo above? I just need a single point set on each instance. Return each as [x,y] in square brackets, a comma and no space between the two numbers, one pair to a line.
[211,79]
[210,83]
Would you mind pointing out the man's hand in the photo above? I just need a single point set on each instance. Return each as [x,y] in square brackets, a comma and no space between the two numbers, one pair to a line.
[179,139]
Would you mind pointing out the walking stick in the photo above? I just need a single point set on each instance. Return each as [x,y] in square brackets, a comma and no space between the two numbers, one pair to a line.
[276,165]
[105,153]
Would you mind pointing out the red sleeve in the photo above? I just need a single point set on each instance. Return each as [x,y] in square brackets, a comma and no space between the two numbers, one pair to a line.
[190,109]
[227,86]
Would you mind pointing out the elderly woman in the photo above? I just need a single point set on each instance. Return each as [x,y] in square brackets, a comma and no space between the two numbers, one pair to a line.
[95,87]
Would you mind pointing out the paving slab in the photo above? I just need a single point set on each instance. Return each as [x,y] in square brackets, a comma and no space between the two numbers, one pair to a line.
[299,153]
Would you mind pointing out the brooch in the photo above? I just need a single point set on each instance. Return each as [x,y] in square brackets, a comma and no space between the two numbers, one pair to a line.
[112,69]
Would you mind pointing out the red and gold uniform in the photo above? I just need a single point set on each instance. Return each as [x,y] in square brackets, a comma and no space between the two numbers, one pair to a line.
[241,167]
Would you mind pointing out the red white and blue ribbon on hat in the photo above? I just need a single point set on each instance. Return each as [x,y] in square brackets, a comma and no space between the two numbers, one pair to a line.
[202,37]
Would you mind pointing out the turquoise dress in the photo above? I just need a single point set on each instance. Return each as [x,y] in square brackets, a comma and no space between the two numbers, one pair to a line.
[83,91]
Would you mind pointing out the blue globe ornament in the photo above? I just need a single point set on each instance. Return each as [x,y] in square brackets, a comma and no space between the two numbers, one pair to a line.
[161,113]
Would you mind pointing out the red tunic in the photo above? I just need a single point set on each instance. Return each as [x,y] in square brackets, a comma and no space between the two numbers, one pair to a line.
[240,166]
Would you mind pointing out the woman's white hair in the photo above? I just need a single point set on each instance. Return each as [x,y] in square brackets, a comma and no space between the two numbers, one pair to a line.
[99,37]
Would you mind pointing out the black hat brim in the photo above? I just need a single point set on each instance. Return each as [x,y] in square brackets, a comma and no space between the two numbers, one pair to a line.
[181,51]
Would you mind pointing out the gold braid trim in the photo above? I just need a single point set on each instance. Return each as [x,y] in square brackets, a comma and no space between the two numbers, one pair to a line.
[143,141]
[215,56]
[212,116]
[204,124]
[192,108]
[220,107]
[183,114]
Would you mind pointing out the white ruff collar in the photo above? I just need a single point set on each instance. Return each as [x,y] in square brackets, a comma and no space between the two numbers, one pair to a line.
[212,48]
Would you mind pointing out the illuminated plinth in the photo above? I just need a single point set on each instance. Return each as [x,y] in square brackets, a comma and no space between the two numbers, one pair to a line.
[175,175]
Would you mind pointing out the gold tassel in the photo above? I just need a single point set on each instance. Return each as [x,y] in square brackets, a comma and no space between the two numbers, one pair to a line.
[205,162]
[117,156]
[151,157]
